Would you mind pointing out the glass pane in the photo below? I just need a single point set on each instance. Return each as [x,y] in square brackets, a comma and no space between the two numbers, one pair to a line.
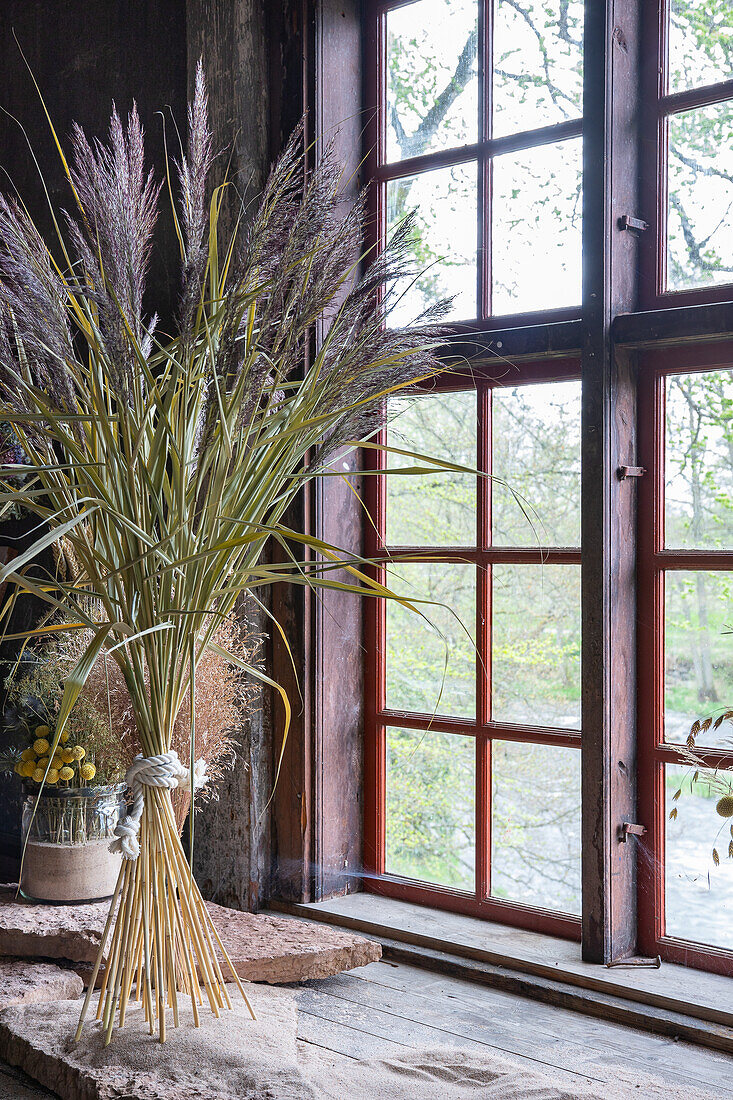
[698,652]
[431,784]
[535,825]
[536,228]
[538,64]
[698,895]
[699,460]
[700,203]
[536,452]
[432,77]
[425,658]
[444,242]
[535,645]
[700,43]
[436,508]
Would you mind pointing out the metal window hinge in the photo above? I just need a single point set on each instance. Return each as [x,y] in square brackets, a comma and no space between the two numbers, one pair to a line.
[629,471]
[637,225]
[630,829]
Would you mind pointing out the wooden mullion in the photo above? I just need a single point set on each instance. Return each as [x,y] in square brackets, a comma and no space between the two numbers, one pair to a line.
[611,101]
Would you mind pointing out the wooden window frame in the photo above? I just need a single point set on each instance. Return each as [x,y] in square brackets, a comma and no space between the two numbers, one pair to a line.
[482,152]
[319,832]
[608,431]
[654,562]
[481,727]
[658,105]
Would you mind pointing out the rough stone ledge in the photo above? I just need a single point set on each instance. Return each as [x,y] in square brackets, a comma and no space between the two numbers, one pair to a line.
[263,948]
[24,982]
[231,1058]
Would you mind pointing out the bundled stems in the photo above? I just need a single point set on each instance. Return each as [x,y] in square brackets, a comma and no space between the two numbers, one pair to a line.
[164,940]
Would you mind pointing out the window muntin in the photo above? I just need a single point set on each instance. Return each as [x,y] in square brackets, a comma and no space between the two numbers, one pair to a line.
[472,109]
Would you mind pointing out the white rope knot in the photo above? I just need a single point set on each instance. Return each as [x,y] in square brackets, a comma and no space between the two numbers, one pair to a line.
[165,770]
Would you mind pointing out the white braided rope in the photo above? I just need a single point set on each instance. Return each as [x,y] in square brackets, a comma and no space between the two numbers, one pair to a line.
[165,770]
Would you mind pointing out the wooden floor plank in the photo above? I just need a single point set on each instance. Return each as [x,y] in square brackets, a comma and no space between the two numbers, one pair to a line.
[394,1025]
[517,1026]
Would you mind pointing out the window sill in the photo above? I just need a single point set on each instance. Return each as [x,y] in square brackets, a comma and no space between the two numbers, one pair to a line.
[677,1000]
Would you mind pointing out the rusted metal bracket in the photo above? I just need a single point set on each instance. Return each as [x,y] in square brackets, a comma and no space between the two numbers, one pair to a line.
[635,225]
[630,829]
[629,471]
[638,960]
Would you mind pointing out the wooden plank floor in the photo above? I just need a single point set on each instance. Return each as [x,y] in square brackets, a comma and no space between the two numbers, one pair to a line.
[381,1009]
[672,987]
[384,1009]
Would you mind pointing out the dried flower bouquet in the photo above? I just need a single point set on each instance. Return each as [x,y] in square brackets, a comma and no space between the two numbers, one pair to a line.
[167,462]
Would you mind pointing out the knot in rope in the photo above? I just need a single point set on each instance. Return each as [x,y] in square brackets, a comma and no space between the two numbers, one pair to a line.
[165,770]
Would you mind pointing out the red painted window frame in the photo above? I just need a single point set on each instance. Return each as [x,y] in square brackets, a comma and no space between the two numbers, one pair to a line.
[377,718]
[658,105]
[380,172]
[653,561]
[481,728]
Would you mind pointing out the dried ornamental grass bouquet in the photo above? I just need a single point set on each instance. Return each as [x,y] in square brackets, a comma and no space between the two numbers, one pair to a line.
[167,463]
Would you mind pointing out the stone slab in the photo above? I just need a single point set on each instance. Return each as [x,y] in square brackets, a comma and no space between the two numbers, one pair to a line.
[24,982]
[230,1058]
[50,931]
[265,948]
[262,947]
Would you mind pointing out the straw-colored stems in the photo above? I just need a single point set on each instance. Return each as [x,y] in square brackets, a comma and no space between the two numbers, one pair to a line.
[164,940]
[100,953]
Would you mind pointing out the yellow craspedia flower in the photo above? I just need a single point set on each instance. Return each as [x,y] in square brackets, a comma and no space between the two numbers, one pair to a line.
[88,771]
[57,763]
[64,738]
[79,752]
[42,731]
[27,769]
[725,805]
[53,776]
[18,769]
[27,754]
[67,755]
[43,760]
[38,774]
[66,774]
[40,746]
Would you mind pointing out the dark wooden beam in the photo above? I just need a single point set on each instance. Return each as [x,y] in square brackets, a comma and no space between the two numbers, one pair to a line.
[232,848]
[656,328]
[608,504]
[340,656]
[553,340]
